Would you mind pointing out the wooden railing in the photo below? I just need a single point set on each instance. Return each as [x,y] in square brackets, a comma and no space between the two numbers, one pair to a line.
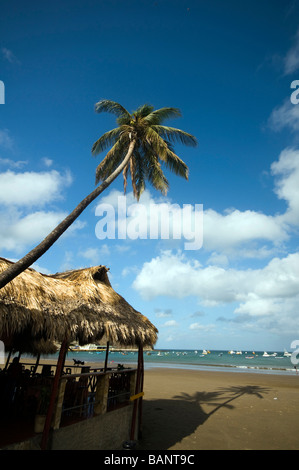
[83,396]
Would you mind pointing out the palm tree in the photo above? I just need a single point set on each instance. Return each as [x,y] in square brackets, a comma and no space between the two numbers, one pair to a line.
[140,144]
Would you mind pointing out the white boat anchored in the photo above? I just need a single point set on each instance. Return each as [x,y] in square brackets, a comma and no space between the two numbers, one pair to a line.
[269,355]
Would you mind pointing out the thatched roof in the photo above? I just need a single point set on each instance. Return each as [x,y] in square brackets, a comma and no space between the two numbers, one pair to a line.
[79,305]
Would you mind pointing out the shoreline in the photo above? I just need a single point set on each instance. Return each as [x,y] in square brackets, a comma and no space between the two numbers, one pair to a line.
[180,366]
[223,368]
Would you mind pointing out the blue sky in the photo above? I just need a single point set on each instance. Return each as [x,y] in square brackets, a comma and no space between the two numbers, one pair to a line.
[228,66]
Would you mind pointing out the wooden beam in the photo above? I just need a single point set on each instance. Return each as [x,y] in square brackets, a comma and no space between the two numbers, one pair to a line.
[58,373]
[106,357]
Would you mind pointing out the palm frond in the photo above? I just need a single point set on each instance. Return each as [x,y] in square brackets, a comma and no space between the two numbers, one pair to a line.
[132,173]
[105,141]
[158,116]
[112,160]
[156,142]
[111,107]
[139,176]
[154,145]
[155,174]
[164,152]
[176,165]
[173,134]
[144,110]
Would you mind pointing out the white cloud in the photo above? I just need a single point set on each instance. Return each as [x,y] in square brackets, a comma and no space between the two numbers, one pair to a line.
[256,292]
[202,328]
[285,115]
[218,259]
[286,187]
[20,192]
[291,61]
[95,255]
[170,323]
[18,231]
[5,140]
[12,163]
[47,162]
[247,234]
[32,188]
[228,231]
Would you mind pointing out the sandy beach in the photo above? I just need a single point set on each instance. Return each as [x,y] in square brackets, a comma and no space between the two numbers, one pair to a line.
[203,410]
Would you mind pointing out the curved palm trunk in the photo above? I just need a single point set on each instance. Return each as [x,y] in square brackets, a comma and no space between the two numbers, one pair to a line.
[18,267]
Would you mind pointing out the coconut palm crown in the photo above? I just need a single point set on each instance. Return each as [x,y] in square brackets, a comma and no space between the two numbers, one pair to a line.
[151,144]
[139,144]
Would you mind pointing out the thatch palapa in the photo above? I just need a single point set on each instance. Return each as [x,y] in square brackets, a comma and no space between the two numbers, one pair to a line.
[78,305]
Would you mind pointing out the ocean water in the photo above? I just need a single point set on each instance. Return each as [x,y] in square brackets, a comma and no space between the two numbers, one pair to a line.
[248,361]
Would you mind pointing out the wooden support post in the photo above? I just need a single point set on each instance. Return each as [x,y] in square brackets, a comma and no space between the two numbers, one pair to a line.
[106,357]
[58,409]
[138,389]
[59,370]
[141,391]
[101,395]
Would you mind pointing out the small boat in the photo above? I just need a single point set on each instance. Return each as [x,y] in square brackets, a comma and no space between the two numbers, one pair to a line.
[269,355]
[231,352]
[249,357]
[286,354]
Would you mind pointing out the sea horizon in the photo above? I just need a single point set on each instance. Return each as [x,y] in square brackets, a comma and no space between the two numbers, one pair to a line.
[275,362]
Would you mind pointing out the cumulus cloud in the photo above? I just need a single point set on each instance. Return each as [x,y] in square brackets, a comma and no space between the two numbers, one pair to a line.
[31,188]
[270,294]
[18,231]
[235,228]
[25,218]
[256,292]
[248,233]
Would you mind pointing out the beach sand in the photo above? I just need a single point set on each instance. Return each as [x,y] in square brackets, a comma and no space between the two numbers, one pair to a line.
[203,410]
[212,410]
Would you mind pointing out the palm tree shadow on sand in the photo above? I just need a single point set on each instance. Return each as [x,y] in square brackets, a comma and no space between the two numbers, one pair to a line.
[166,422]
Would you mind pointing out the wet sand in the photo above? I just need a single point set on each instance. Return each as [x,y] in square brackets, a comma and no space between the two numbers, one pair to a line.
[203,410]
